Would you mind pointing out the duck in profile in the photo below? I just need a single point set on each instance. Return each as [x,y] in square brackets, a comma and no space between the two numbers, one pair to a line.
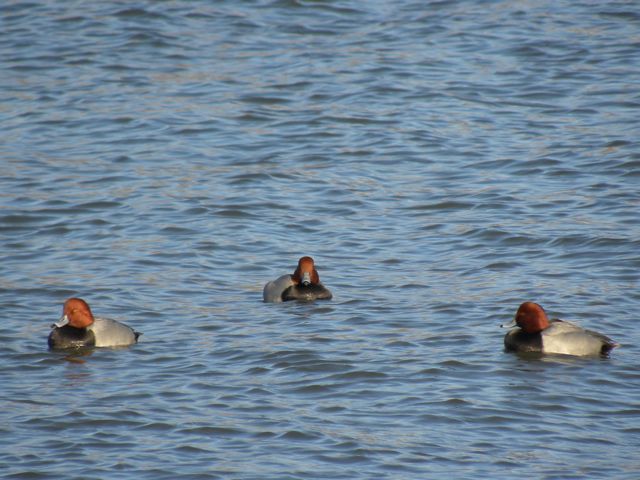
[79,328]
[304,284]
[536,334]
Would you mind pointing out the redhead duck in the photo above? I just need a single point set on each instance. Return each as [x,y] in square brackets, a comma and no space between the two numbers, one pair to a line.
[303,285]
[79,328]
[538,334]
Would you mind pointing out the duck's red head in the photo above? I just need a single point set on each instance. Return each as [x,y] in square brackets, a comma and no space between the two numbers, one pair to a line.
[306,272]
[76,313]
[531,318]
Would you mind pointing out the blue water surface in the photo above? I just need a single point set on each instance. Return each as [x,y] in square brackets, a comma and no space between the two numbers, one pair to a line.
[442,162]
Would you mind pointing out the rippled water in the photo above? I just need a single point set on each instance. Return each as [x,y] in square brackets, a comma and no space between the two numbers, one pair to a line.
[441,161]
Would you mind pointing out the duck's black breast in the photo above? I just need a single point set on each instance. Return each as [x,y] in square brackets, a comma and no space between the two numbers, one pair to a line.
[71,337]
[519,341]
[306,293]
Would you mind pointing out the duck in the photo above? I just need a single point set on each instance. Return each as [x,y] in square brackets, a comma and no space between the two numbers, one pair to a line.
[79,328]
[303,285]
[536,334]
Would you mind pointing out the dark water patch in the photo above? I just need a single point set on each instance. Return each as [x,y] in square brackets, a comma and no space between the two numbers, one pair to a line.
[400,344]
[297,436]
[234,213]
[112,179]
[253,117]
[249,178]
[631,16]
[440,206]
[503,266]
[359,375]
[196,131]
[313,389]
[196,211]
[210,431]
[139,13]
[95,205]
[18,221]
[180,231]
[264,99]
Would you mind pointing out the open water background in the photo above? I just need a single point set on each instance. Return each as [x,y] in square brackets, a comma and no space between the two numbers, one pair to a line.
[441,161]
